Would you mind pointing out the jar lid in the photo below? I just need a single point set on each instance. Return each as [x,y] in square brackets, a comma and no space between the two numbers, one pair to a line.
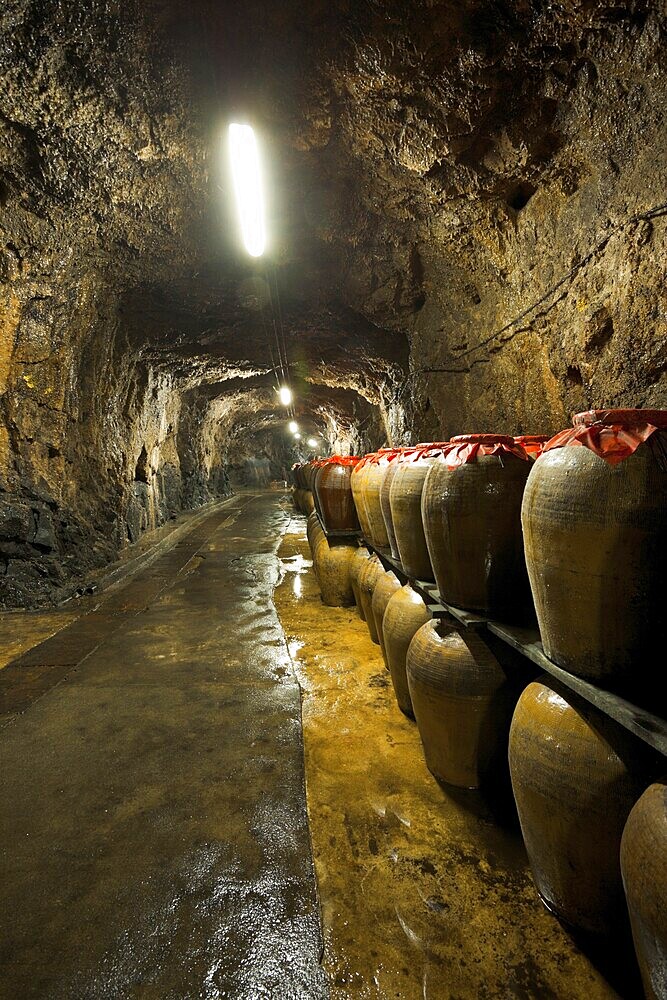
[482,439]
[622,418]
[342,460]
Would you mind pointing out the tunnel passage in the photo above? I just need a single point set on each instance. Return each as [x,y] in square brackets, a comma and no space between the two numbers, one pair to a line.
[158,842]
[464,211]
[464,230]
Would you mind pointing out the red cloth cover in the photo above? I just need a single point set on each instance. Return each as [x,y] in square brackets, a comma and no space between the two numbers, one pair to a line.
[533,443]
[465,448]
[341,460]
[614,435]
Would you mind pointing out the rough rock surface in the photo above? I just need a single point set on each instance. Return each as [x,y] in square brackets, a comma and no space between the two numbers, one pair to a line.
[466,205]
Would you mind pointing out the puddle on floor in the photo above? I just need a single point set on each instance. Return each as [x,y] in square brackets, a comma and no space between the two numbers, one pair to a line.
[424,892]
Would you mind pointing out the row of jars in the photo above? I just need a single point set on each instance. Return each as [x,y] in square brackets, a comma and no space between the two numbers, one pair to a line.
[575,526]
[326,483]
[594,825]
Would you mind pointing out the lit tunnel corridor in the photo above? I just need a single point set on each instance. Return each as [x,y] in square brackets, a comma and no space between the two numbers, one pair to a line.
[242,245]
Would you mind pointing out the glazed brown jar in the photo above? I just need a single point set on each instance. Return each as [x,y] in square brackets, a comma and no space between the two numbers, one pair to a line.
[644,868]
[575,777]
[368,577]
[471,512]
[372,485]
[462,701]
[307,500]
[595,531]
[313,468]
[386,586]
[405,501]
[332,561]
[334,494]
[296,490]
[404,614]
[359,560]
[357,485]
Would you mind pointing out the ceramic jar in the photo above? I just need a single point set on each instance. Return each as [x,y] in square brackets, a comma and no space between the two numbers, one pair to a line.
[385,503]
[644,869]
[462,701]
[312,469]
[595,530]
[404,614]
[368,577]
[386,586]
[357,485]
[313,529]
[372,486]
[405,500]
[333,561]
[575,776]
[334,494]
[471,512]
[359,560]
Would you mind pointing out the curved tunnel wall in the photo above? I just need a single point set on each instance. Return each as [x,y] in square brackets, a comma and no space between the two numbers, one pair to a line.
[469,236]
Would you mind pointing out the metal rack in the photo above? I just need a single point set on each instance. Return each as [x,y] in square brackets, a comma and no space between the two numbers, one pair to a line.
[340,536]
[650,728]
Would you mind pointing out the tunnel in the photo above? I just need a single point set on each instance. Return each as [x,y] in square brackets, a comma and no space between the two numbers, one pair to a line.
[333,500]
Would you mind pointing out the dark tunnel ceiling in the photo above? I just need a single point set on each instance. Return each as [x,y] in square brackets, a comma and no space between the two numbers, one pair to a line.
[385,126]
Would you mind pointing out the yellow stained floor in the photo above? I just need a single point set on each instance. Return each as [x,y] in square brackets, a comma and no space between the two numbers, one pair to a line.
[424,893]
[20,630]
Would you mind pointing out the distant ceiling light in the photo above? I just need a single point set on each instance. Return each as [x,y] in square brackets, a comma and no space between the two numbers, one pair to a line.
[285,395]
[244,157]
[293,426]
[297,436]
[311,442]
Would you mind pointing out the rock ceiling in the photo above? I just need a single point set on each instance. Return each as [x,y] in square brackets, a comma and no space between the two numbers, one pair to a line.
[465,218]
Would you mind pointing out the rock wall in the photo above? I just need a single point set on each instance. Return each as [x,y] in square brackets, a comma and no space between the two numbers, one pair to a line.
[100,187]
[468,233]
[509,172]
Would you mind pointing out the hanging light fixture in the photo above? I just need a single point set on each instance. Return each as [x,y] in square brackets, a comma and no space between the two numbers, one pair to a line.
[293,426]
[285,395]
[246,175]
[311,442]
[297,436]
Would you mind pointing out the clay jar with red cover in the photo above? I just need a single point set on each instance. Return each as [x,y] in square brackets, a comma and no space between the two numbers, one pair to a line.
[385,490]
[357,485]
[334,494]
[595,530]
[471,512]
[405,496]
[312,468]
[372,485]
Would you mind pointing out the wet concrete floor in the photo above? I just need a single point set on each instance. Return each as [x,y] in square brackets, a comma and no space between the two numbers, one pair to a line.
[154,840]
[153,834]
[425,890]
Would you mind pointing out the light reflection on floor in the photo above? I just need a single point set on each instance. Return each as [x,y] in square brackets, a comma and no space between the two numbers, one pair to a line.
[424,895]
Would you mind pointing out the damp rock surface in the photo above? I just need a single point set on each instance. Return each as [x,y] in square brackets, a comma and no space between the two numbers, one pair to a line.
[467,233]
